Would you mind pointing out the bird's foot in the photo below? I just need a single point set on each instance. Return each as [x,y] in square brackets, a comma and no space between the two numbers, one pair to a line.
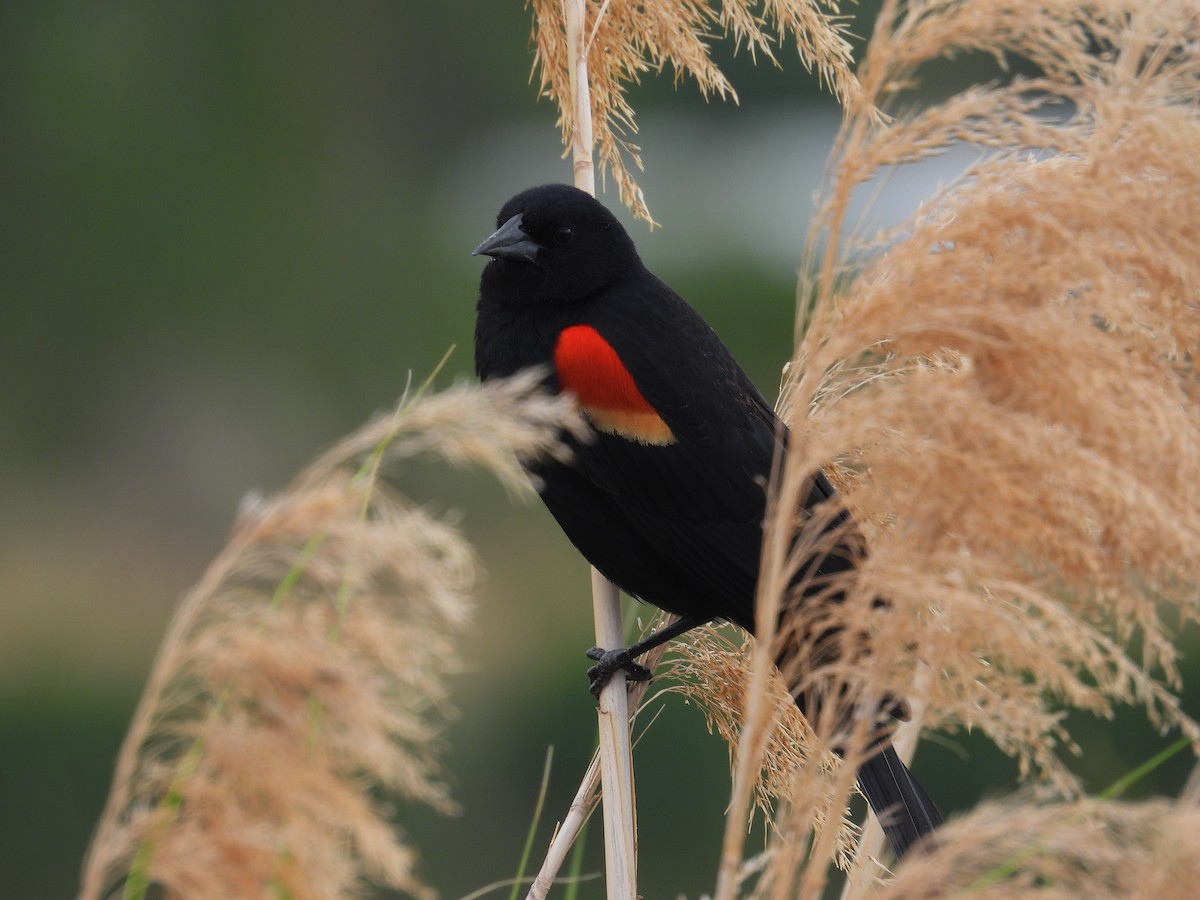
[609,662]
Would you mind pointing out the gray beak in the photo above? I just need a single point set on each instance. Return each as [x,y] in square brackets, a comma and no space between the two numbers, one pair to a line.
[509,242]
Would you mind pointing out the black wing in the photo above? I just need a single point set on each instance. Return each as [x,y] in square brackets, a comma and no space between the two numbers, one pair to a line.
[691,510]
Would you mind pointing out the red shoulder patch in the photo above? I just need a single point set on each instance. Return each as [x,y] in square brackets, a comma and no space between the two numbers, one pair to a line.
[589,368]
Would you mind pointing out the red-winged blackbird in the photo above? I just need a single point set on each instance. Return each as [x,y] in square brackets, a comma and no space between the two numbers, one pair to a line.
[667,497]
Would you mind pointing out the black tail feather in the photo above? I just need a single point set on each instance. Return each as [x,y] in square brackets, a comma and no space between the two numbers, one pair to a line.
[898,800]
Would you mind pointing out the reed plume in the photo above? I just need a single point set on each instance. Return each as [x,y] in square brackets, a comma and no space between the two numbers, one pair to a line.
[1004,390]
[627,39]
[1086,848]
[302,686]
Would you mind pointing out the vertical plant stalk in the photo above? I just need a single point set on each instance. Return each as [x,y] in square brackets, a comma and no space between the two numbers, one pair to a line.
[616,754]
[772,582]
[871,844]
[586,796]
[567,831]
[581,96]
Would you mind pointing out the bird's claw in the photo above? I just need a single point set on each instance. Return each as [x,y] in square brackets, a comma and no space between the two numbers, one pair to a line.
[608,662]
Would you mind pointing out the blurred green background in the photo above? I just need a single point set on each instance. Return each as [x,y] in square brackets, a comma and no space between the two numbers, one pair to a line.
[230,232]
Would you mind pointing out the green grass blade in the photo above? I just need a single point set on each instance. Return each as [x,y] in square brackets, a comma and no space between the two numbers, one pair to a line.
[533,826]
[1119,786]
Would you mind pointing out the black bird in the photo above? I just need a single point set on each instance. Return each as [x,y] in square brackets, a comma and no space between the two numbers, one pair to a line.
[668,496]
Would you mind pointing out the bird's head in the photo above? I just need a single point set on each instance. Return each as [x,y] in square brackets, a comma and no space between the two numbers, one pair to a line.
[555,243]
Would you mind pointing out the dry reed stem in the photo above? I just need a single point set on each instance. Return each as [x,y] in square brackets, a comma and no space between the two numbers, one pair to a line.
[774,575]
[872,843]
[588,794]
[580,140]
[567,831]
[616,751]
[302,681]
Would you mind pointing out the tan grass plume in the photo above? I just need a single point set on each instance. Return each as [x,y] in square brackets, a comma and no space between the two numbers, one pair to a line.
[302,684]
[1087,848]
[1008,379]
[628,39]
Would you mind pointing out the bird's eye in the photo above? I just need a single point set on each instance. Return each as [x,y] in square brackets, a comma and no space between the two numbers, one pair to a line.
[564,235]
